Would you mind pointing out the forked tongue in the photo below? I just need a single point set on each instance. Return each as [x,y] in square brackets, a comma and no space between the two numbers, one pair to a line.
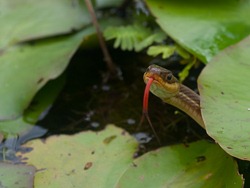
[145,107]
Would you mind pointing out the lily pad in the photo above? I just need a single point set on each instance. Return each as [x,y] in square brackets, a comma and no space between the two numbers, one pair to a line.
[225,99]
[33,19]
[26,68]
[87,159]
[105,159]
[16,176]
[200,164]
[40,104]
[203,27]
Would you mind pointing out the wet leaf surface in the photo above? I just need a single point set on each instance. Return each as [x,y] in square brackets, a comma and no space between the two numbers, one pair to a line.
[32,65]
[203,27]
[96,159]
[34,19]
[225,99]
[16,176]
[199,164]
[37,110]
[105,159]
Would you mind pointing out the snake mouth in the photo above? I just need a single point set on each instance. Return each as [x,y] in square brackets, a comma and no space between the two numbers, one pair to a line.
[160,86]
[156,79]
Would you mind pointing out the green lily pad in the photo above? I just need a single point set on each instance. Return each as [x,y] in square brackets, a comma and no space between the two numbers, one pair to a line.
[87,159]
[105,159]
[26,68]
[33,19]
[16,176]
[41,102]
[225,99]
[200,164]
[203,27]
[15,127]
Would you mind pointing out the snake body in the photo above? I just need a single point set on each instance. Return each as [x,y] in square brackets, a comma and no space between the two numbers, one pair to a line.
[170,90]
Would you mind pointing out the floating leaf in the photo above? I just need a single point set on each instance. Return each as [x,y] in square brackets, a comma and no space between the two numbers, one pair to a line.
[26,68]
[225,99]
[203,27]
[107,158]
[33,19]
[200,165]
[41,102]
[88,158]
[16,176]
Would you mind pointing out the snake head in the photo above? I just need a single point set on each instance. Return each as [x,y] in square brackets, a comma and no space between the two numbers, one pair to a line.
[164,85]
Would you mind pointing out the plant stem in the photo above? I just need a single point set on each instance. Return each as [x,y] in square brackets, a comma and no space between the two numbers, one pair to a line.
[107,57]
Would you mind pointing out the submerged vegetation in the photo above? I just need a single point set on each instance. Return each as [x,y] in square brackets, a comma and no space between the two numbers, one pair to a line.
[66,97]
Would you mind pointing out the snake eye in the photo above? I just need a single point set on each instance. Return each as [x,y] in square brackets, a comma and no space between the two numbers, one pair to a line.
[169,77]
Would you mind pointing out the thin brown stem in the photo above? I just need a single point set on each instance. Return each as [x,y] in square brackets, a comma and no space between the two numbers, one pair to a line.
[107,57]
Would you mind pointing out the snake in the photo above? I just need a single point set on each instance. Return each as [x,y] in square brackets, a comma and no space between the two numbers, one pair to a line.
[163,84]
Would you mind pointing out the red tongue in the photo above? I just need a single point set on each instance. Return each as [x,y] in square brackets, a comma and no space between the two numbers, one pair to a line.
[145,107]
[146,94]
